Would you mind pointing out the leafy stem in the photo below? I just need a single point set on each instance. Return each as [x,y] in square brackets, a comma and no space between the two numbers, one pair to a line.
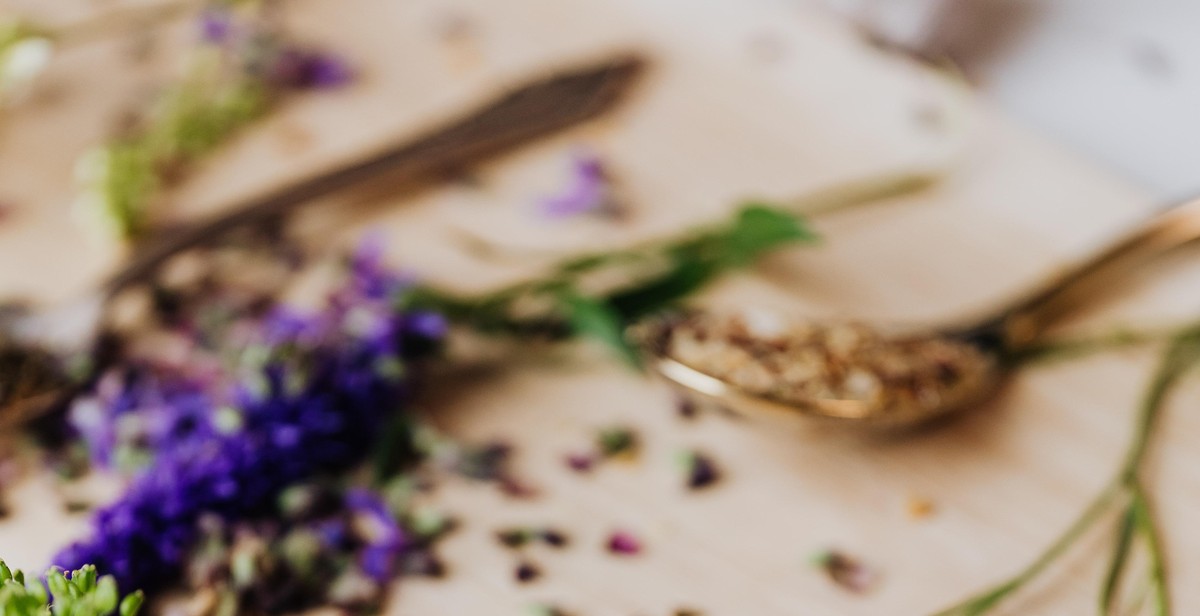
[575,299]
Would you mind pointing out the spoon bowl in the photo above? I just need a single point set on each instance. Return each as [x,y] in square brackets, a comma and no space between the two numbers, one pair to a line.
[836,372]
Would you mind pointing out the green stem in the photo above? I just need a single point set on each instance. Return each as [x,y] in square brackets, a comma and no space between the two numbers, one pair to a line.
[1148,527]
[1086,345]
[984,601]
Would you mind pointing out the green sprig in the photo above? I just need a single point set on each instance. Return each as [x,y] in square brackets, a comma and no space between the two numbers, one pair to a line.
[656,277]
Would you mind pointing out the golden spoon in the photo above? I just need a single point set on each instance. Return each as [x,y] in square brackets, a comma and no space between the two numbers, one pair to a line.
[859,374]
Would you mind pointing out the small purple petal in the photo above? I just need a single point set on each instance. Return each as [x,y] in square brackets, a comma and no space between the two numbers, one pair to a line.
[307,69]
[215,26]
[587,191]
[624,544]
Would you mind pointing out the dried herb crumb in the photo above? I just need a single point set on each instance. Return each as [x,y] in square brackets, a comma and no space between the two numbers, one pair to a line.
[76,506]
[515,537]
[425,563]
[700,470]
[617,441]
[685,407]
[624,543]
[527,572]
[554,538]
[919,507]
[846,571]
[581,462]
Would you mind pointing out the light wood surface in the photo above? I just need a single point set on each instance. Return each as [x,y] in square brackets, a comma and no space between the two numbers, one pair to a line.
[751,98]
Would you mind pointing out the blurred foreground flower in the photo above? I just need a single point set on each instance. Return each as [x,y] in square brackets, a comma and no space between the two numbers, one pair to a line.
[306,395]
[24,53]
[81,593]
[242,67]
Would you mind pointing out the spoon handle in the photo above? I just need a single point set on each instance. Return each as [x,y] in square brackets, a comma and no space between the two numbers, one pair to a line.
[1023,322]
[534,110]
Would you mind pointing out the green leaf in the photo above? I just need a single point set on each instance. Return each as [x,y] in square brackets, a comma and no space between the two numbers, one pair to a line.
[760,228]
[599,321]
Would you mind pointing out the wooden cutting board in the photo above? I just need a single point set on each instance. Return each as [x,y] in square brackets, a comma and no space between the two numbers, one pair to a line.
[752,98]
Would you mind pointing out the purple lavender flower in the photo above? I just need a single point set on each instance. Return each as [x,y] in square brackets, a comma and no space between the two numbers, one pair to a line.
[587,192]
[299,68]
[216,25]
[310,400]
[385,539]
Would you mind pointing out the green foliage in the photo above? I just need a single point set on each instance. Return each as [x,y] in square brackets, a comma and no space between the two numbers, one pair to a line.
[121,178]
[654,277]
[83,593]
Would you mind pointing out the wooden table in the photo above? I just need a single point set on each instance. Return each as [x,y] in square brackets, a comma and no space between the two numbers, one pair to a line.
[755,98]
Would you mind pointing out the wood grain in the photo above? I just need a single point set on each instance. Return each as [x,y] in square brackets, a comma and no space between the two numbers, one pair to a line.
[718,121]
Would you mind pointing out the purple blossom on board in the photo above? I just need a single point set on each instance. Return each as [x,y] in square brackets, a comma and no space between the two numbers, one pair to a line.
[385,539]
[624,543]
[587,192]
[216,25]
[304,69]
[311,397]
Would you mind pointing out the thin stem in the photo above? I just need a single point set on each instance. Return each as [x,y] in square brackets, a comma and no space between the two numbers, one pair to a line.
[862,191]
[1146,524]
[824,200]
[984,601]
[1086,345]
[1182,355]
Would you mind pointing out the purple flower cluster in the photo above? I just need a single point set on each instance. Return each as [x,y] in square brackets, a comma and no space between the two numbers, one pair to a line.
[281,64]
[307,397]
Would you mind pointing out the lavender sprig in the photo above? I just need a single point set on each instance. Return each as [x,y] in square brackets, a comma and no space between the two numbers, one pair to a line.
[308,398]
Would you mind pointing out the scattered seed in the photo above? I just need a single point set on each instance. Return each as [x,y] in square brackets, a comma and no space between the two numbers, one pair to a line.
[846,571]
[919,507]
[624,544]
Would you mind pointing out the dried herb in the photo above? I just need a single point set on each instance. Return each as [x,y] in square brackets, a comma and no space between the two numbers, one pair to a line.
[617,441]
[527,572]
[624,543]
[846,571]
[700,470]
